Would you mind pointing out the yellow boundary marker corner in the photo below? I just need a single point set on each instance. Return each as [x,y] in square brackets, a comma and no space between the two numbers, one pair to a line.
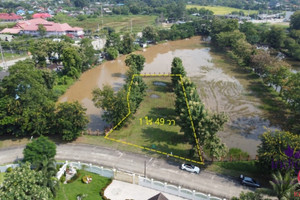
[153,150]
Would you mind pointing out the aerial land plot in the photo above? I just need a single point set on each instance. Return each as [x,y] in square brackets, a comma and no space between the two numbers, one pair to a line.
[154,126]
[221,10]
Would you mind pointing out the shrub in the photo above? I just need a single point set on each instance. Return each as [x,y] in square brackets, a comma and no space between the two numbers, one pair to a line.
[58,166]
[237,153]
[62,179]
[8,170]
[39,149]
[112,53]
[74,178]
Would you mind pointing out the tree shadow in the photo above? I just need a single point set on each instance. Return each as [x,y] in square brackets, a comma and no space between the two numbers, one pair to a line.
[160,112]
[154,135]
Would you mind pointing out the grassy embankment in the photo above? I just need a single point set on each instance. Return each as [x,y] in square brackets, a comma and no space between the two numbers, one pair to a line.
[221,10]
[71,190]
[12,56]
[121,23]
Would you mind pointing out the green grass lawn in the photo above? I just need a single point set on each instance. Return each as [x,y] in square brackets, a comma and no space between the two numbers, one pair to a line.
[71,190]
[1,177]
[166,138]
[121,23]
[221,10]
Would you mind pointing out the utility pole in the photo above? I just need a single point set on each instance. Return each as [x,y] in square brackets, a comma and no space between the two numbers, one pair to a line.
[131,26]
[3,61]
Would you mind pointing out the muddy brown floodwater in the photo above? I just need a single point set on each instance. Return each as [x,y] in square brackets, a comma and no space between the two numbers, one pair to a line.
[219,86]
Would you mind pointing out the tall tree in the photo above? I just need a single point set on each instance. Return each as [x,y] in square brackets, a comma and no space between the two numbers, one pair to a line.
[88,51]
[295,20]
[72,61]
[115,105]
[127,45]
[149,33]
[24,96]
[273,147]
[24,183]
[42,30]
[276,37]
[283,187]
[39,149]
[135,61]
[71,120]
[177,68]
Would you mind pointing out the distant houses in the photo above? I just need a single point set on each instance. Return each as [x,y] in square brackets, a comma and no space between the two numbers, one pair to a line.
[10,17]
[31,27]
[41,15]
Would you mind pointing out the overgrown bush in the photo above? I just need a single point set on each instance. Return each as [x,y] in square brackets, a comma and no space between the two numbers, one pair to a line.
[10,169]
[58,166]
[237,154]
[62,179]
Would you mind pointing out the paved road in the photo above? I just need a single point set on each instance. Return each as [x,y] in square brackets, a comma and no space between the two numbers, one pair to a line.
[11,62]
[158,169]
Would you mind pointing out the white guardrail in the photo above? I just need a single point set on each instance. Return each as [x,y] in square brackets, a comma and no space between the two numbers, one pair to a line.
[145,182]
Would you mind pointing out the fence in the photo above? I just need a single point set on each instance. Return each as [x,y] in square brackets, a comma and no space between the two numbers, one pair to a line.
[130,178]
[4,168]
[174,190]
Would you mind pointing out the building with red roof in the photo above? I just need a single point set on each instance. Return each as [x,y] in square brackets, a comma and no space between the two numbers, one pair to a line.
[30,27]
[10,17]
[41,15]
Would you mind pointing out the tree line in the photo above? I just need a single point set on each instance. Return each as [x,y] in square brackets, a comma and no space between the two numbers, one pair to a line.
[29,93]
[273,71]
[114,103]
[206,123]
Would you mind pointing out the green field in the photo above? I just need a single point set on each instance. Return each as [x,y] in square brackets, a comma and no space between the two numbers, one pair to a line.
[159,103]
[121,23]
[71,190]
[221,10]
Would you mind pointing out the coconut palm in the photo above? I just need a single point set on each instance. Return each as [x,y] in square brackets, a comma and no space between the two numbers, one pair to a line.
[282,187]
[48,168]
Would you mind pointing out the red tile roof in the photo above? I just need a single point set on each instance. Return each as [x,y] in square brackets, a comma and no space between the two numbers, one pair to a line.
[41,15]
[11,30]
[11,16]
[33,24]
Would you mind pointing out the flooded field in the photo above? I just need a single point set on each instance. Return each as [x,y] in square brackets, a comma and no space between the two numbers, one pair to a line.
[221,87]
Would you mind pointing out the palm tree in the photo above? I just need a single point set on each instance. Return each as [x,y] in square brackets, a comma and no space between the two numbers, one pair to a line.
[48,168]
[282,187]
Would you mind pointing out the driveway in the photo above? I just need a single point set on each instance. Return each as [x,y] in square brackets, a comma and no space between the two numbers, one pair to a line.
[159,169]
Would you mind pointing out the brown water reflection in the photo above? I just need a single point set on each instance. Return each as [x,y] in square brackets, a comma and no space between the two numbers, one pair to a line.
[220,87]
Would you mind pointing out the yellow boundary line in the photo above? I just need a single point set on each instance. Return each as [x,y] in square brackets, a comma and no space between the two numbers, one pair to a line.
[153,150]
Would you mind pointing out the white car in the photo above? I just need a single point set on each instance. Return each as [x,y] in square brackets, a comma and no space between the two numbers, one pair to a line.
[190,168]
